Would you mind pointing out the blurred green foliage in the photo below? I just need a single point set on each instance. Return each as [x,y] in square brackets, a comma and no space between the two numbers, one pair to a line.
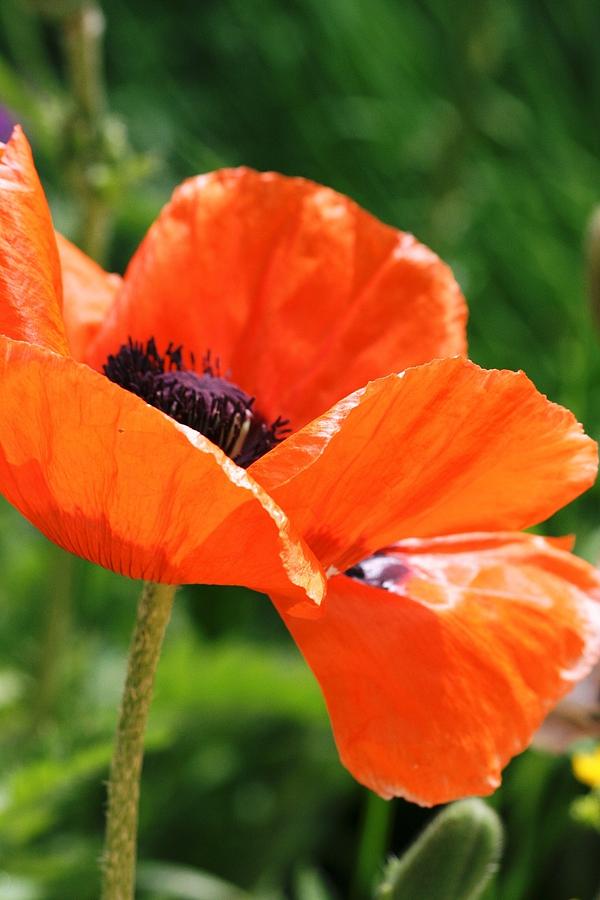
[476,127]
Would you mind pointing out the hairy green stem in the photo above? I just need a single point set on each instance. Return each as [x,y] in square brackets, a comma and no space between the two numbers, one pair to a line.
[119,857]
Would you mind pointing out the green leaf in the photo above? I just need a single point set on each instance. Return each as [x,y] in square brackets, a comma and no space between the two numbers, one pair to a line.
[310,885]
[184,883]
[453,858]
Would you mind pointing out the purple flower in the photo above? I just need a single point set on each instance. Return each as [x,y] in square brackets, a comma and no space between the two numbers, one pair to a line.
[6,123]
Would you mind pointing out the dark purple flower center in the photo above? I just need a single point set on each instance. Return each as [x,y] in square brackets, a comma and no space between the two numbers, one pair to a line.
[381,570]
[205,401]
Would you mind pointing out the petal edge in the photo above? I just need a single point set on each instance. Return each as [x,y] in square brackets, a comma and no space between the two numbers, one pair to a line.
[30,278]
[433,689]
[114,480]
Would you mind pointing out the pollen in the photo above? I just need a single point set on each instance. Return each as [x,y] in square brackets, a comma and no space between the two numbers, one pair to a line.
[204,401]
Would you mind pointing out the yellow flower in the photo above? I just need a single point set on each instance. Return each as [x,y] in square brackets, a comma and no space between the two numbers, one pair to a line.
[586,767]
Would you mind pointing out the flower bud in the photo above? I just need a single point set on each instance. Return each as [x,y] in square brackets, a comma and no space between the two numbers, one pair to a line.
[454,857]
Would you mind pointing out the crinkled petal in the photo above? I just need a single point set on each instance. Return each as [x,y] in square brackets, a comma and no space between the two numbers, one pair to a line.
[433,686]
[88,294]
[442,448]
[301,294]
[116,481]
[30,281]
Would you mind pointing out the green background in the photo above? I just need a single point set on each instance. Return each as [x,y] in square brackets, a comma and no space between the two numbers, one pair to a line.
[476,127]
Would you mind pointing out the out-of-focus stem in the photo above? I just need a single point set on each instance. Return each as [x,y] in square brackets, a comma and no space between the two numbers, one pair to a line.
[593,263]
[83,28]
[373,844]
[57,614]
[83,31]
[119,857]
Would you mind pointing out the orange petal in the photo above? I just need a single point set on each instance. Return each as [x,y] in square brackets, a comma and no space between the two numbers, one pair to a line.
[433,689]
[301,294]
[30,283]
[113,480]
[88,294]
[443,448]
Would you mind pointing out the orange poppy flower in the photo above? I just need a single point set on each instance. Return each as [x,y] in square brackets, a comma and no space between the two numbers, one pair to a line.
[439,654]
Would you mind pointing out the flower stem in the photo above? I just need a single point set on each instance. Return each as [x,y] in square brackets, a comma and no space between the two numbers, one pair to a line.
[55,635]
[373,843]
[83,31]
[592,248]
[118,862]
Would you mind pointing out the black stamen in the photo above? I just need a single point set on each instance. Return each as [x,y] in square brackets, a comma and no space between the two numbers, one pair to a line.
[206,402]
[381,570]
[355,572]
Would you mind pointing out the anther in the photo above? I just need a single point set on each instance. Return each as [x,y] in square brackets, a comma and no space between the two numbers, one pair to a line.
[382,570]
[205,401]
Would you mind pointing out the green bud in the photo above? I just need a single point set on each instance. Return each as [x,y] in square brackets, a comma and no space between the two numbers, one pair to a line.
[453,858]
[586,809]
